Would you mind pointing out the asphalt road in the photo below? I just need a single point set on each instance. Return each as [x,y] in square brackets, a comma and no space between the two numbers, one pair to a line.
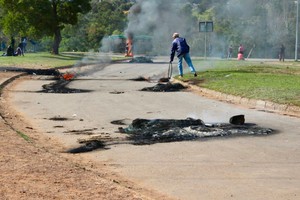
[245,167]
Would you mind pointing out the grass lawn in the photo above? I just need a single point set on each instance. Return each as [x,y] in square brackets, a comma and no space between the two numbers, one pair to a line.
[47,60]
[40,60]
[272,81]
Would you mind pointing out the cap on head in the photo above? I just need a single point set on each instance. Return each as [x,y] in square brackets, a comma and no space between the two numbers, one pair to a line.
[175,35]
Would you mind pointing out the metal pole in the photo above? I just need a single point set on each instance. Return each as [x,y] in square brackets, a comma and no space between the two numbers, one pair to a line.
[297,27]
[205,45]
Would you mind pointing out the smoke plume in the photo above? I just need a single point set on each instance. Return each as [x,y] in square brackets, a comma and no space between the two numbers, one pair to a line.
[158,19]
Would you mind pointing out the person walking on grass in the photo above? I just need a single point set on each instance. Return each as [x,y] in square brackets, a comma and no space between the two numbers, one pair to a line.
[229,54]
[182,49]
[282,53]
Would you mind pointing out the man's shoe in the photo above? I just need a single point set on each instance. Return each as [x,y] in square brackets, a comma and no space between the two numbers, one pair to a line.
[195,75]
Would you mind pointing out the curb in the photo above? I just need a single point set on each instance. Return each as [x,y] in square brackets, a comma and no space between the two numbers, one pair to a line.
[4,83]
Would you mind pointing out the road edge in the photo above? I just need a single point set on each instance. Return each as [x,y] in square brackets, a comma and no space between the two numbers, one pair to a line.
[260,105]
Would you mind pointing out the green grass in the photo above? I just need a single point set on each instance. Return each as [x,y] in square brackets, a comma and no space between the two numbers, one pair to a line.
[40,60]
[25,137]
[271,81]
[46,60]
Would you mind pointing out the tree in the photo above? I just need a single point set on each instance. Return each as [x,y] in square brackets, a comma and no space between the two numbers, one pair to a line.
[263,24]
[41,17]
[105,18]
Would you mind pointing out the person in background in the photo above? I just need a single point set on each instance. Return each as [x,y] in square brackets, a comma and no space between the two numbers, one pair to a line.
[282,53]
[182,49]
[10,51]
[24,43]
[241,52]
[241,49]
[3,45]
[229,55]
[19,50]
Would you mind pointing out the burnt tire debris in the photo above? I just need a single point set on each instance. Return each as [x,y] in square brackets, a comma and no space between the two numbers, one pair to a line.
[160,80]
[150,131]
[44,72]
[60,86]
[140,78]
[141,59]
[118,122]
[59,118]
[87,147]
[237,120]
[167,87]
[89,131]
[164,80]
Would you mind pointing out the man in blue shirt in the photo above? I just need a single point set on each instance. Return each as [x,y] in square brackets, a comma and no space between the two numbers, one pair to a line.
[180,46]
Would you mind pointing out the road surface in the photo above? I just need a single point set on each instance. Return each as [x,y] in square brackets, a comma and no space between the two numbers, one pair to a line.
[246,167]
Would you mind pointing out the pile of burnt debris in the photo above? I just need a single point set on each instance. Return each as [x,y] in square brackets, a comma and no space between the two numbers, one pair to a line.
[167,87]
[60,86]
[88,146]
[44,72]
[141,59]
[149,79]
[150,131]
[140,78]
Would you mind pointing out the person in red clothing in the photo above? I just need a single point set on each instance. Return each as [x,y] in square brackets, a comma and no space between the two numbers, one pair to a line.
[241,52]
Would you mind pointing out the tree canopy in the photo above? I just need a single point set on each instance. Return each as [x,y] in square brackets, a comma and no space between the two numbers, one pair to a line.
[260,24]
[41,17]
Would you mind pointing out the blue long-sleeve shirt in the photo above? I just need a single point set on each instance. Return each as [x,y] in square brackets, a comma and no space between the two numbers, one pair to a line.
[180,46]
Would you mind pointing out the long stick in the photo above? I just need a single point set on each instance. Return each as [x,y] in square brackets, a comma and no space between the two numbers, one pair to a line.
[170,70]
[249,54]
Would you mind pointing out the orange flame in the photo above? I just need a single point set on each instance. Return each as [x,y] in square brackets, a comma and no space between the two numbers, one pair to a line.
[68,76]
[129,45]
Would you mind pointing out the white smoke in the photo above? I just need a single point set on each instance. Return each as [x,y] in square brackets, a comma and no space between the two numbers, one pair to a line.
[158,19]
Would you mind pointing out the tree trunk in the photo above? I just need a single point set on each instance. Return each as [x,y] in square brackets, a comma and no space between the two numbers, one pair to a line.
[56,42]
[57,29]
